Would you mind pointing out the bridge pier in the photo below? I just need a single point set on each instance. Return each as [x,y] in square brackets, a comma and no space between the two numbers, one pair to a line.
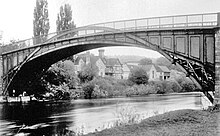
[1,74]
[217,68]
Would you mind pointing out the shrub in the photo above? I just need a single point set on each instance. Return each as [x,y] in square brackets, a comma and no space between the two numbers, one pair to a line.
[161,87]
[88,73]
[88,89]
[138,76]
[139,90]
[186,84]
[126,115]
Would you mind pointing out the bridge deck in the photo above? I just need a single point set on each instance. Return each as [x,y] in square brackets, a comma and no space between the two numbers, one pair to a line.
[193,21]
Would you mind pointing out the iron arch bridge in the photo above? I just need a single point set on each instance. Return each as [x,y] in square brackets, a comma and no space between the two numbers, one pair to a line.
[188,41]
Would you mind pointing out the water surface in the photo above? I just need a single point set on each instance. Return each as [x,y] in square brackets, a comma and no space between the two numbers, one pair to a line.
[50,118]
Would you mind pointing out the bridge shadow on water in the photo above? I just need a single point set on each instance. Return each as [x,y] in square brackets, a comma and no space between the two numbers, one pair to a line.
[34,118]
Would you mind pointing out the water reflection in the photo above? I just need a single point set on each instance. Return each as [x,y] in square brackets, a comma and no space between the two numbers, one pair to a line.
[49,118]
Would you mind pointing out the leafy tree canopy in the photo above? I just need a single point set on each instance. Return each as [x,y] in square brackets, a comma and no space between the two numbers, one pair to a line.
[88,73]
[165,62]
[64,18]
[41,20]
[138,76]
[145,61]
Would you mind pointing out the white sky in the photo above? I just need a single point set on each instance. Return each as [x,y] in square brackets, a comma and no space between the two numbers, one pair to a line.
[16,16]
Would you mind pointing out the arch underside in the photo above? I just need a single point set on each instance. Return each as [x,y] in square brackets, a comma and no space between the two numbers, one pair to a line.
[57,49]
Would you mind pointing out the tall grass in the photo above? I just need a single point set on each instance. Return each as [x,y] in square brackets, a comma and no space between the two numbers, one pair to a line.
[126,115]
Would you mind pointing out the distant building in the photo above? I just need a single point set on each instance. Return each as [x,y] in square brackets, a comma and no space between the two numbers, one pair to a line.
[106,66]
[79,64]
[126,71]
[156,72]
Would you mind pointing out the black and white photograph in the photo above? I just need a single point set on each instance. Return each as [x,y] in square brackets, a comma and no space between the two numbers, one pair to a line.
[110,68]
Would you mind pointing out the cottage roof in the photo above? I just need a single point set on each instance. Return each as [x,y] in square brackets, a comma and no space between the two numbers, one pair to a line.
[164,68]
[158,68]
[76,62]
[93,59]
[111,61]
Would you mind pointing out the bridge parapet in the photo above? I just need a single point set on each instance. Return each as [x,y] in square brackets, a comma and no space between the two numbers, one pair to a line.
[179,21]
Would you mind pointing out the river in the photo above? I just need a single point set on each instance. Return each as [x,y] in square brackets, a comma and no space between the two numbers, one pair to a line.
[50,118]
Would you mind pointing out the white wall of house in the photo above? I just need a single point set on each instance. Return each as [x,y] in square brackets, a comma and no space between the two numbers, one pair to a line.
[101,67]
[118,71]
[125,71]
[152,73]
[80,65]
[160,75]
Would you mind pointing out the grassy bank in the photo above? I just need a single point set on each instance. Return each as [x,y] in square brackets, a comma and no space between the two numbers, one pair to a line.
[180,122]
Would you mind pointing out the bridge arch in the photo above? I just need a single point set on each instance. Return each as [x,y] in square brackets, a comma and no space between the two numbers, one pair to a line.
[71,42]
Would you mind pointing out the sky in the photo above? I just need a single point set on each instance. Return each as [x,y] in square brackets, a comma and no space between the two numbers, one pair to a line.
[16,16]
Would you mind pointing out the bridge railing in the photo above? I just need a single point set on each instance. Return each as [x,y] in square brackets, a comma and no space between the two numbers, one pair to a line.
[194,20]
[165,22]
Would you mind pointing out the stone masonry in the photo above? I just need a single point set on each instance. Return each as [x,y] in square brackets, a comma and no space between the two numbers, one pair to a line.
[217,68]
[1,74]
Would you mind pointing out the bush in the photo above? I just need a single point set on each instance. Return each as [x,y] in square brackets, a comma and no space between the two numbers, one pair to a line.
[88,89]
[162,87]
[186,84]
[60,92]
[140,90]
[138,76]
[101,87]
[88,73]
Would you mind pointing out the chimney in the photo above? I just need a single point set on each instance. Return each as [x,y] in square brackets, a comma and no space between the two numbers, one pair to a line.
[101,53]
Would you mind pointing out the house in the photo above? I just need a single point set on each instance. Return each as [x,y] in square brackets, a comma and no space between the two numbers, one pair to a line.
[106,66]
[109,66]
[81,60]
[156,72]
[165,72]
[125,71]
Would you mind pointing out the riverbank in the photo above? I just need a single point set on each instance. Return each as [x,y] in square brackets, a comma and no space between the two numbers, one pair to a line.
[181,122]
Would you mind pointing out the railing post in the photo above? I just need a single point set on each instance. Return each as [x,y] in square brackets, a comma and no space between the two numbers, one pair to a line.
[172,21]
[187,21]
[159,22]
[147,23]
[202,19]
[135,22]
[218,19]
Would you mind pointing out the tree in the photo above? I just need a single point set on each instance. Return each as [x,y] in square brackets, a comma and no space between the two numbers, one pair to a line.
[61,72]
[41,21]
[145,61]
[165,62]
[88,73]
[64,19]
[138,76]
